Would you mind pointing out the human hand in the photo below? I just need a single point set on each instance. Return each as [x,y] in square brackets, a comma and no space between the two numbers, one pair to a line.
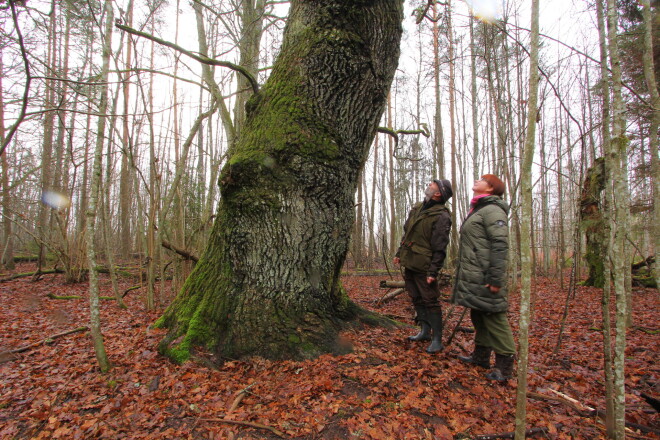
[396,260]
[493,289]
[430,280]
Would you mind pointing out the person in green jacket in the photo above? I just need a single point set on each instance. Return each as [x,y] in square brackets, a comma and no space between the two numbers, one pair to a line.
[480,282]
[422,253]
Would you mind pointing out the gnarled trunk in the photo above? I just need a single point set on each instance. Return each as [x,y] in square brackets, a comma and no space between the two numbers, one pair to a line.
[268,282]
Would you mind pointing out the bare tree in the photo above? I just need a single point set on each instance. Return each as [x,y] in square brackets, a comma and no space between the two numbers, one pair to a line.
[525,233]
[95,193]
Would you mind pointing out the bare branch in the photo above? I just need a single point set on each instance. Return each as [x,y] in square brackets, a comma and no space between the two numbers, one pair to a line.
[201,58]
[28,80]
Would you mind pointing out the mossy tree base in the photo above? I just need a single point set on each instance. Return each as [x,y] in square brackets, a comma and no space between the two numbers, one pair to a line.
[268,282]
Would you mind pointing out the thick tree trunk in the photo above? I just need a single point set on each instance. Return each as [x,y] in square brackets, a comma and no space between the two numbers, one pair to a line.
[592,222]
[268,282]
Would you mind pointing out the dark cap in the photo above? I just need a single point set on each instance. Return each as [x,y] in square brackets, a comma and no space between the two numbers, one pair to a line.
[445,189]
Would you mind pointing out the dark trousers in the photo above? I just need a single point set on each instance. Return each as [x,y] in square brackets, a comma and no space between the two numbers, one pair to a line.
[492,330]
[422,293]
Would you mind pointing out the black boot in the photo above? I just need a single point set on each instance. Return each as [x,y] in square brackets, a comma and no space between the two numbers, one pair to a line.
[480,356]
[435,320]
[503,367]
[422,319]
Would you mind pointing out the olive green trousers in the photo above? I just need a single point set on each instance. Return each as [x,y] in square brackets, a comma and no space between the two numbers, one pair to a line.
[492,330]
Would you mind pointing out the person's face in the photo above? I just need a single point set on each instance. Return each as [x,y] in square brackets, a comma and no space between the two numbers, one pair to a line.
[481,187]
[431,191]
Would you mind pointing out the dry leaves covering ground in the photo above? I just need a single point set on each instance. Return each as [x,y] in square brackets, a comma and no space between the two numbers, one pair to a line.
[387,388]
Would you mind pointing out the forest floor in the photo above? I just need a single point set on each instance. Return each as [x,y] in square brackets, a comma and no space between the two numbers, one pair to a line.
[387,388]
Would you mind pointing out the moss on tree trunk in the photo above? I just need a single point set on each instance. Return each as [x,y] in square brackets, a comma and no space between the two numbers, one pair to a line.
[593,223]
[268,283]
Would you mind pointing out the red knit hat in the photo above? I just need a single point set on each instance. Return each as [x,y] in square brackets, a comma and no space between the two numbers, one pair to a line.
[495,182]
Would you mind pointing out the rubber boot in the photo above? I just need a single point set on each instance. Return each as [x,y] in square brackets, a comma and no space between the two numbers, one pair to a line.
[503,367]
[435,320]
[425,330]
[480,356]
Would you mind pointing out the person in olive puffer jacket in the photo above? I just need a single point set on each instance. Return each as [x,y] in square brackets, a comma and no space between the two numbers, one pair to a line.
[480,282]
[422,253]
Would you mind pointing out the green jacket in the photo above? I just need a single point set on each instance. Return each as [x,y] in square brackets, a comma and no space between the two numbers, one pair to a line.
[425,238]
[482,257]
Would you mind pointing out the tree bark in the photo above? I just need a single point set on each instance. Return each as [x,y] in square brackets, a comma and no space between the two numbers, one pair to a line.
[619,257]
[7,251]
[525,233]
[592,222]
[268,282]
[125,184]
[649,75]
[605,302]
[95,319]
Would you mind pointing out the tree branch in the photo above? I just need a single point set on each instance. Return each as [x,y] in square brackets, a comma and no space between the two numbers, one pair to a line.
[201,58]
[395,134]
[28,80]
[184,253]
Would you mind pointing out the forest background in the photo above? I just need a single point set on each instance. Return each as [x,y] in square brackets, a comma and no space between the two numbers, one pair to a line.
[163,123]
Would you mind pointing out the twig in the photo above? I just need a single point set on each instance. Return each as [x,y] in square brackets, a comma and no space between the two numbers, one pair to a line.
[5,355]
[586,411]
[239,397]
[460,319]
[251,424]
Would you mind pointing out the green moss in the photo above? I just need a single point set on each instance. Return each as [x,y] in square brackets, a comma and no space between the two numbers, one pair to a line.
[294,339]
[53,296]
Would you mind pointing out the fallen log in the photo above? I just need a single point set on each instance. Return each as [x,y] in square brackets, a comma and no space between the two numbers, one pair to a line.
[389,296]
[387,284]
[29,274]
[6,356]
[130,289]
[443,280]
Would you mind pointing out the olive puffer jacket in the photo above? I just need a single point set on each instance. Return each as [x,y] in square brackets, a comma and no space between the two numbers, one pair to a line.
[482,257]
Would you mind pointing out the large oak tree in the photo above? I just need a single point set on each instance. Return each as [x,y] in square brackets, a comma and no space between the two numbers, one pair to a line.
[268,282]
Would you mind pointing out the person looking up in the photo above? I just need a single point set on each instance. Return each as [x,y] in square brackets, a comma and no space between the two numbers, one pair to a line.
[422,254]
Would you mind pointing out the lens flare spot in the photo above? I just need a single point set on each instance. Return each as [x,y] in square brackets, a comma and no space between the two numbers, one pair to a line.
[486,10]
[55,199]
